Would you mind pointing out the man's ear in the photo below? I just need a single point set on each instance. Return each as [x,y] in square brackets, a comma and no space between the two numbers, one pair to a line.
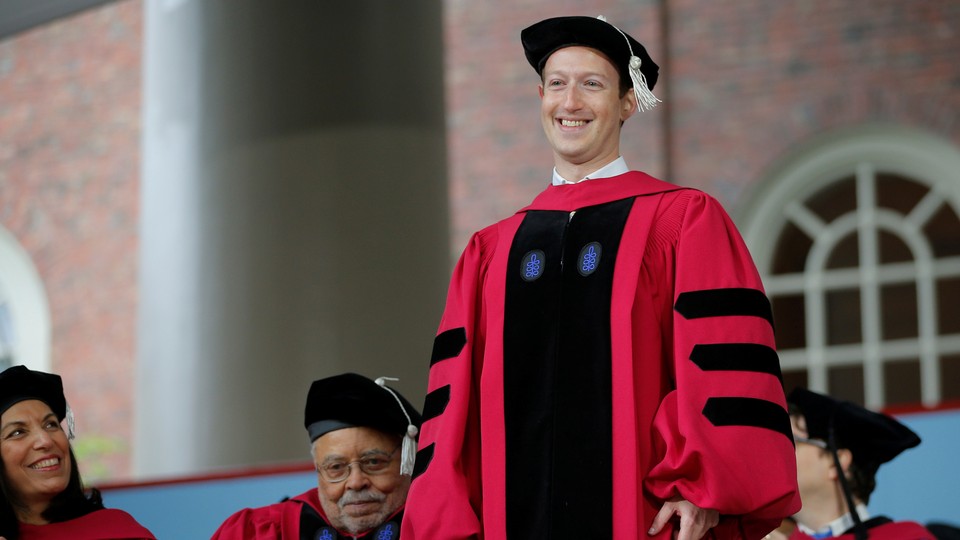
[846,458]
[540,89]
[628,105]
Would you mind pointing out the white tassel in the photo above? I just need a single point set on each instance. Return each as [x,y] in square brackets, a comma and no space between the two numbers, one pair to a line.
[71,424]
[645,98]
[408,454]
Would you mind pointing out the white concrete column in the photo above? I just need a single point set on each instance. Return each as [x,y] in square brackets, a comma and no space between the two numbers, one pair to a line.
[294,220]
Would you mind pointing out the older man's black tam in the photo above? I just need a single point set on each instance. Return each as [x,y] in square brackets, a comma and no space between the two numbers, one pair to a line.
[352,400]
[627,54]
[18,383]
[873,438]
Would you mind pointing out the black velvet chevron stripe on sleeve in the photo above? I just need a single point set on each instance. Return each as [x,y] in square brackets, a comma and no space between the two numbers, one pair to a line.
[723,302]
[448,344]
[744,411]
[736,357]
[436,402]
[424,457]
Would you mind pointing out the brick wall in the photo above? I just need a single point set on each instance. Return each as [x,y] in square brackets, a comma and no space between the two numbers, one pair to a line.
[751,84]
[744,82]
[69,168]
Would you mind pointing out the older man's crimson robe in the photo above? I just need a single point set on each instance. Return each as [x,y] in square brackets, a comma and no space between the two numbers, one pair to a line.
[298,518]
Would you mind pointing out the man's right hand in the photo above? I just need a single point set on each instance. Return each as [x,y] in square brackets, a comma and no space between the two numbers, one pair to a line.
[694,521]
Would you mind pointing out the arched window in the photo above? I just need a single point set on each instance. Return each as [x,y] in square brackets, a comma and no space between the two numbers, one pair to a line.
[24,313]
[858,242]
[7,335]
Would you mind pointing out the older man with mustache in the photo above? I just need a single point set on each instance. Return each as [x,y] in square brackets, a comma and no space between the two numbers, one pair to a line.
[362,436]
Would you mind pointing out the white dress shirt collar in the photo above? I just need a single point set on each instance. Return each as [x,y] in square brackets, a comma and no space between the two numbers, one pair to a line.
[614,168]
[838,526]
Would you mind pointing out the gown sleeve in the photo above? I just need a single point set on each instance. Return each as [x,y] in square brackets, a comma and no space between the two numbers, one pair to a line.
[722,435]
[444,500]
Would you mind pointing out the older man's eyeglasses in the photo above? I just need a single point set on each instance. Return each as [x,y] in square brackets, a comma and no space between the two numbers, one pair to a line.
[815,442]
[371,465]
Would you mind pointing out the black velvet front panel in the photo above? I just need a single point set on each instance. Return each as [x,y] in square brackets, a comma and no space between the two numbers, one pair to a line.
[558,405]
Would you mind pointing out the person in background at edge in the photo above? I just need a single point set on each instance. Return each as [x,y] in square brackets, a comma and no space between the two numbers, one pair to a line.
[43,495]
[605,352]
[363,442]
[840,447]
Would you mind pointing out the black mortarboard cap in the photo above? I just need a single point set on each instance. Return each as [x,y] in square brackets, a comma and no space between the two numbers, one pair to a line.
[873,438]
[18,383]
[627,54]
[352,400]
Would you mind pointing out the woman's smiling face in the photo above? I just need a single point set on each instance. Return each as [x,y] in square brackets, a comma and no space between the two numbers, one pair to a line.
[35,452]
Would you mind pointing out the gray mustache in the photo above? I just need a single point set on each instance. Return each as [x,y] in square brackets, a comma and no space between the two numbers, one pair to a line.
[351,497]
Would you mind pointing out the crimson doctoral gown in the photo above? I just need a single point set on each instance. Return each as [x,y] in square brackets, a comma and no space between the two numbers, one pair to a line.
[106,524]
[606,348]
[300,517]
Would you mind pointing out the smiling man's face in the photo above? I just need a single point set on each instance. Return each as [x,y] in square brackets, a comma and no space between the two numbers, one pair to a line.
[362,501]
[581,110]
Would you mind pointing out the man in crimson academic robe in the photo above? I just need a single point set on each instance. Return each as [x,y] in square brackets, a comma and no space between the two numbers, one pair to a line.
[363,443]
[605,364]
[840,447]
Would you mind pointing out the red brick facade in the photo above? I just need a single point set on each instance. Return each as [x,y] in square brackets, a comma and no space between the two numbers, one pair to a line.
[69,164]
[743,83]
[751,84]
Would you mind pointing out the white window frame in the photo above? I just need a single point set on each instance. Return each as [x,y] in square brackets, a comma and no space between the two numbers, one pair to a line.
[26,301]
[860,153]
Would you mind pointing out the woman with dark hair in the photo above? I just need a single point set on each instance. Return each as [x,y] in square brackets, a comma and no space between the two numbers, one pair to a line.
[43,496]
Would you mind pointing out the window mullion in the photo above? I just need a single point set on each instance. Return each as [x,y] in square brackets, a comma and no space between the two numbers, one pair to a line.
[869,287]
